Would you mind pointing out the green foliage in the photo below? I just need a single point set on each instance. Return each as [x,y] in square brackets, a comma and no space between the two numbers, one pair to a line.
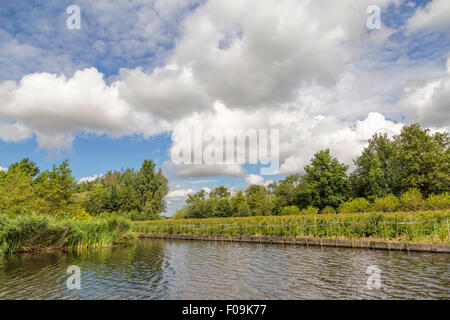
[34,232]
[258,200]
[389,203]
[223,208]
[412,200]
[328,210]
[355,205]
[419,226]
[309,210]
[325,182]
[179,214]
[290,210]
[438,202]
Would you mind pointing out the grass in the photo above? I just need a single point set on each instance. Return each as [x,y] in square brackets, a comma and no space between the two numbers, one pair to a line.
[37,232]
[419,226]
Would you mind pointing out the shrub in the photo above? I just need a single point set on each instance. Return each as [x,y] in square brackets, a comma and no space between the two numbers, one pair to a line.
[412,200]
[390,203]
[180,214]
[309,210]
[355,206]
[81,215]
[328,210]
[290,210]
[438,202]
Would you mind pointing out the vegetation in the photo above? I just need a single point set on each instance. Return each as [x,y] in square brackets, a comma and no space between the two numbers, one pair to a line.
[138,195]
[409,172]
[420,226]
[34,232]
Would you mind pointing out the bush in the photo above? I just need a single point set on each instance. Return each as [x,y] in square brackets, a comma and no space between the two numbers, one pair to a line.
[290,210]
[309,210]
[180,214]
[412,200]
[389,203]
[355,206]
[328,210]
[438,202]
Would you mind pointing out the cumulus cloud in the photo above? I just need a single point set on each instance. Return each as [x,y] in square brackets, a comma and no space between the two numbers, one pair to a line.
[91,178]
[55,107]
[254,179]
[3,169]
[434,16]
[428,102]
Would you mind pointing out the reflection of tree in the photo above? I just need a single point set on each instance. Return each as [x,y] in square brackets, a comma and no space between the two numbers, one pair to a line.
[43,275]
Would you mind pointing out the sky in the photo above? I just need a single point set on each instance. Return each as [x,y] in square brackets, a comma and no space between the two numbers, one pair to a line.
[136,73]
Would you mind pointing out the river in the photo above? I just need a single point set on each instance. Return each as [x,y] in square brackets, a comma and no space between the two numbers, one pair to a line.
[174,269]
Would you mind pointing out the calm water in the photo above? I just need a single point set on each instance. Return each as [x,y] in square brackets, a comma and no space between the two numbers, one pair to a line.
[164,269]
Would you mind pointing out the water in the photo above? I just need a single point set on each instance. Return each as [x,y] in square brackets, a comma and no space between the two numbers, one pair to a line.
[165,269]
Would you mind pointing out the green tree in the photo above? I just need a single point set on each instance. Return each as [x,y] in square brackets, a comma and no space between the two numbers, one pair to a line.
[325,181]
[223,208]
[258,200]
[421,161]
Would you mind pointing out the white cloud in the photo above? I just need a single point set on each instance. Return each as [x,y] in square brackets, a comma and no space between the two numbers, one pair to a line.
[3,169]
[254,179]
[434,16]
[428,102]
[91,178]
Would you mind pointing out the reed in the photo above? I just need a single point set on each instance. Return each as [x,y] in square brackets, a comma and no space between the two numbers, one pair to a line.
[419,226]
[38,232]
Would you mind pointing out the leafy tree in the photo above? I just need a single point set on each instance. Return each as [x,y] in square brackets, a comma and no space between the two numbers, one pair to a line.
[220,192]
[223,208]
[236,202]
[258,200]
[421,161]
[325,181]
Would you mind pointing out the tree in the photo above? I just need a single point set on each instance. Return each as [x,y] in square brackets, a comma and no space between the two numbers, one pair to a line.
[220,192]
[223,208]
[152,188]
[421,161]
[236,202]
[55,188]
[372,175]
[258,200]
[325,182]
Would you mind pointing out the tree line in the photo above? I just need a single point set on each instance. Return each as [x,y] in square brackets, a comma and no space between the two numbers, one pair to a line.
[409,171]
[136,194]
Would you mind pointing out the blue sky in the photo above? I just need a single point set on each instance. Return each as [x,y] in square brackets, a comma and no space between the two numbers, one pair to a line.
[109,95]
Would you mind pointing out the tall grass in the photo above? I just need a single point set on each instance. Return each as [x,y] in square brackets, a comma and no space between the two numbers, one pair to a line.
[34,232]
[420,226]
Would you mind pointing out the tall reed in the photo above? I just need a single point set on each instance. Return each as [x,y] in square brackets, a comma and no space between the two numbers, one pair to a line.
[35,232]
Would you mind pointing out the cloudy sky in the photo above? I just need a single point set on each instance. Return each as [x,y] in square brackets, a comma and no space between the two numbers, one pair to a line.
[112,93]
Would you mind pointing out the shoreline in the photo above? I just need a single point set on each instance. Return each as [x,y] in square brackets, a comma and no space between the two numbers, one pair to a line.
[323,242]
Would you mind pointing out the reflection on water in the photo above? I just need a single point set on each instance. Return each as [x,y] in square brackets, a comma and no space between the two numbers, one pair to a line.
[162,269]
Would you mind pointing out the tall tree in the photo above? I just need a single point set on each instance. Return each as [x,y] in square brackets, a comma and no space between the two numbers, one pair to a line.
[325,181]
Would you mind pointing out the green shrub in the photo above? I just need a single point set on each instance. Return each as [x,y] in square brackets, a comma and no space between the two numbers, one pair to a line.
[309,210]
[328,210]
[412,200]
[290,210]
[355,206]
[180,214]
[390,203]
[438,202]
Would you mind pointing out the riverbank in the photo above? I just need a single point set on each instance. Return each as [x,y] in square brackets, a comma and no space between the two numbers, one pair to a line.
[40,232]
[342,243]
[365,230]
